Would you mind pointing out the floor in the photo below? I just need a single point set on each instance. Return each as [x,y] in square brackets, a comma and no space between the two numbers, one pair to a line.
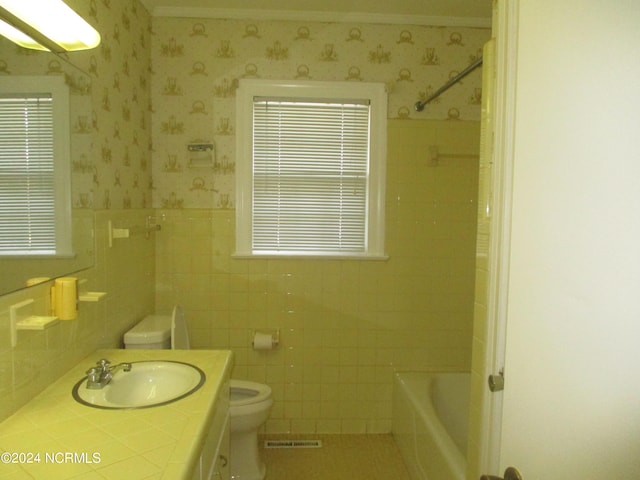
[341,457]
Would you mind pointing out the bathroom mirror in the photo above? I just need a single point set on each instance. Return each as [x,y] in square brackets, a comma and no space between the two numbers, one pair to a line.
[22,271]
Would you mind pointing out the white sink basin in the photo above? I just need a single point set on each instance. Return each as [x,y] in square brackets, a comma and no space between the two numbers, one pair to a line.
[148,384]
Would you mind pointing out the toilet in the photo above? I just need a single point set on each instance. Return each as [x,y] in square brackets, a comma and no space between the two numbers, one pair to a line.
[250,402]
[249,407]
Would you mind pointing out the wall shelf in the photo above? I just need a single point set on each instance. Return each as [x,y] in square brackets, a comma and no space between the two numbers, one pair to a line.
[21,318]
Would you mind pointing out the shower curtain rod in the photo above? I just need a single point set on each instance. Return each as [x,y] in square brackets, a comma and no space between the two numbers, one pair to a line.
[419,106]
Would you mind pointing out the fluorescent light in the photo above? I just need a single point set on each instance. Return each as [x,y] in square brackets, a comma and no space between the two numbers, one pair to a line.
[19,37]
[46,25]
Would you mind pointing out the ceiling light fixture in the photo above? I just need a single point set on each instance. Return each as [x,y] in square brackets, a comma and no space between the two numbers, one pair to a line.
[46,25]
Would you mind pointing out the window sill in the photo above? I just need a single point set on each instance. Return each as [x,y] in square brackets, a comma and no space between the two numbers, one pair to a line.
[307,256]
[36,256]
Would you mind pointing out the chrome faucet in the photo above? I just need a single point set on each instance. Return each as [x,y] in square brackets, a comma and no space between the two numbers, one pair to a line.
[102,373]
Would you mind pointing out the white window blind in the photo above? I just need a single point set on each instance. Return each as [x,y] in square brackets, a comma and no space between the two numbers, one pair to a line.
[35,210]
[310,175]
[310,169]
[27,213]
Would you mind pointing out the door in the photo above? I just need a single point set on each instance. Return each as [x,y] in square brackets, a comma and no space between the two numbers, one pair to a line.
[571,402]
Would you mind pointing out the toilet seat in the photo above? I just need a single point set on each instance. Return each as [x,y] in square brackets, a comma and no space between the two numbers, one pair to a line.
[248,393]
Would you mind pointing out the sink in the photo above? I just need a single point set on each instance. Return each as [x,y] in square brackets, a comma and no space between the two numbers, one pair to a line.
[148,384]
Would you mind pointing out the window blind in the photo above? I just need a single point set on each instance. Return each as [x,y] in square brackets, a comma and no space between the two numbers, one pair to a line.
[310,176]
[27,193]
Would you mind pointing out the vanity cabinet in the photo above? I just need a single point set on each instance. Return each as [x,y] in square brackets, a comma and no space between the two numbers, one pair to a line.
[220,469]
[213,463]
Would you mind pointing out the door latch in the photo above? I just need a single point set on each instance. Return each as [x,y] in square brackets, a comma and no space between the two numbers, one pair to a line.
[496,382]
[510,473]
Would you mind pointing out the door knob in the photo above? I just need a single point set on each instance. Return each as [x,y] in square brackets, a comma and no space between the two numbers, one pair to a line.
[509,474]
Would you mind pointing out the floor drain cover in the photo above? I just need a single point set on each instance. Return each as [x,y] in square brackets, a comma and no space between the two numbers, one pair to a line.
[292,443]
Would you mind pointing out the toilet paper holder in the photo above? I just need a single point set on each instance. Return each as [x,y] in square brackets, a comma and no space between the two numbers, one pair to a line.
[258,336]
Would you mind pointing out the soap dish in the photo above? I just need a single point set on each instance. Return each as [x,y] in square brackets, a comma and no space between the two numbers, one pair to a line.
[91,296]
[36,322]
[21,318]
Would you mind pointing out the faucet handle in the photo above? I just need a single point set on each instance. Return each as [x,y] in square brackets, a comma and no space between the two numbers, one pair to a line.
[93,377]
[104,364]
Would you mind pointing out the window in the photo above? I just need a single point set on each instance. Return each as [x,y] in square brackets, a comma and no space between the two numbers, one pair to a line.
[35,216]
[310,170]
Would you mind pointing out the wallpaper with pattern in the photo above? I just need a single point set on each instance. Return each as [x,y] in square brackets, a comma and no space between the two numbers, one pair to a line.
[111,161]
[197,64]
[120,73]
[190,91]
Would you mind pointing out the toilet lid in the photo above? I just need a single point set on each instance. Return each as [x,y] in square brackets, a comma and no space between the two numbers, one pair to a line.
[179,332]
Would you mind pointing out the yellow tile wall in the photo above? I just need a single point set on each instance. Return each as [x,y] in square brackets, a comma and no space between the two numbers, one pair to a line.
[345,325]
[125,271]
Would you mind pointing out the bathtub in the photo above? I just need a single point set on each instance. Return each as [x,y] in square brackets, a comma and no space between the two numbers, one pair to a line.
[430,423]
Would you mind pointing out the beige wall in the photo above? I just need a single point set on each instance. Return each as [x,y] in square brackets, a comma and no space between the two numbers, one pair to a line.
[573,322]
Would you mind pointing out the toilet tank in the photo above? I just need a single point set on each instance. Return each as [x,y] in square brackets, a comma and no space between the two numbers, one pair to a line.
[153,332]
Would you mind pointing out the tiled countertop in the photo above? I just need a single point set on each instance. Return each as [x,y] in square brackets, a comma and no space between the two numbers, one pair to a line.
[54,437]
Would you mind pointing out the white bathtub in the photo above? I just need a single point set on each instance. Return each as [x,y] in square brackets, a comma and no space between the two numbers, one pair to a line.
[430,423]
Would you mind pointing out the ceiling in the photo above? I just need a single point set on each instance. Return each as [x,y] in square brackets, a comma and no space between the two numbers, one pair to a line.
[438,12]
